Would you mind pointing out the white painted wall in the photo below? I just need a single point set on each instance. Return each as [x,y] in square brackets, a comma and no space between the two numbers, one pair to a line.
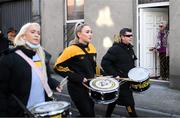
[106,18]
[52,26]
[174,43]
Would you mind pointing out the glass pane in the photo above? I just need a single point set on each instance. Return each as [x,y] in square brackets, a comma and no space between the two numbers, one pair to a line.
[151,1]
[69,35]
[70,32]
[75,9]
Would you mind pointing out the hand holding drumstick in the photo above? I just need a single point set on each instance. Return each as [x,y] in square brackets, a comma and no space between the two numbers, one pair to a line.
[59,88]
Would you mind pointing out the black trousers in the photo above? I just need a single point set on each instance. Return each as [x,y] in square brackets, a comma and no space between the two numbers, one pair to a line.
[130,109]
[85,107]
[126,99]
[164,66]
[83,102]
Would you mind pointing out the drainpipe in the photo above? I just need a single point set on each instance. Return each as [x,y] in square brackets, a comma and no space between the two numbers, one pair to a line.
[36,10]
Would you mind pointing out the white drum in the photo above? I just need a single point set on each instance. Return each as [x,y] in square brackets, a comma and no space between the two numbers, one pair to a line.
[56,109]
[140,78]
[104,90]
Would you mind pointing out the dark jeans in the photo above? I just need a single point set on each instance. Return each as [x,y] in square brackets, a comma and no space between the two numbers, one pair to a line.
[164,66]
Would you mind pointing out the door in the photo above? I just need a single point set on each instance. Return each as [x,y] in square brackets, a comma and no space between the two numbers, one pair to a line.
[150,19]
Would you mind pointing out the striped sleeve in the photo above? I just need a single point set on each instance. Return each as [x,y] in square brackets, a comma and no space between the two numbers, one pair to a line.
[62,64]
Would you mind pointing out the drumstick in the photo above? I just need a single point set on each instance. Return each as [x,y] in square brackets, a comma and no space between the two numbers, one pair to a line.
[64,81]
[103,77]
[87,86]
[118,78]
[90,79]
[126,79]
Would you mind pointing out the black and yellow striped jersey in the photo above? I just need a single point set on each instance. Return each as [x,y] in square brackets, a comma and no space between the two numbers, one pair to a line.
[76,64]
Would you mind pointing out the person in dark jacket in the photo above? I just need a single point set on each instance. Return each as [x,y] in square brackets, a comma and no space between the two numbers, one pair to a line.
[20,84]
[3,43]
[118,60]
[11,34]
[78,62]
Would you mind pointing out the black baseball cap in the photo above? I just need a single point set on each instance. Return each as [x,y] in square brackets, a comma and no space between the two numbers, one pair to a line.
[11,29]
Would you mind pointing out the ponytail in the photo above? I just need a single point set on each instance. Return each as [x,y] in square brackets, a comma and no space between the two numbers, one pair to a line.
[77,28]
[117,38]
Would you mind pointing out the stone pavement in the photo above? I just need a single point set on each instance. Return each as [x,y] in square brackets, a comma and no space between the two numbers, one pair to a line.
[158,101]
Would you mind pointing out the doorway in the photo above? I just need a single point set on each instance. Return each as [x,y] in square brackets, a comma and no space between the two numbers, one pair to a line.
[149,20]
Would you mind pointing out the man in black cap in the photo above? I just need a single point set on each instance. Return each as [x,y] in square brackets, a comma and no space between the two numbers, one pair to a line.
[11,33]
[3,43]
[118,60]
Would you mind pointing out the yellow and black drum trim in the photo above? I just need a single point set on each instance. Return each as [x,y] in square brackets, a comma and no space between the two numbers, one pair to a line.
[140,86]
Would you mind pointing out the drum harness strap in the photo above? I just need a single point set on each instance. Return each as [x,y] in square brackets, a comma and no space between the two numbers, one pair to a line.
[26,111]
[41,77]
[122,82]
[83,49]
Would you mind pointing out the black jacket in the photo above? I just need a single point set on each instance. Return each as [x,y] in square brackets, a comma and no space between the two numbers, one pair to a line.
[15,79]
[118,60]
[3,44]
[77,65]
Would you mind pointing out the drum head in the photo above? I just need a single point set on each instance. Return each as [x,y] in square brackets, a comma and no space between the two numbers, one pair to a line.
[138,74]
[104,84]
[49,107]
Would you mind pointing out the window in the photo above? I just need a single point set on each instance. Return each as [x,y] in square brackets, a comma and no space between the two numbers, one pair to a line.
[74,12]
[151,1]
[75,9]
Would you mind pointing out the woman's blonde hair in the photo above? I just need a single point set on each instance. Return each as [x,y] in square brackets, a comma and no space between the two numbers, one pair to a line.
[77,28]
[20,41]
[117,38]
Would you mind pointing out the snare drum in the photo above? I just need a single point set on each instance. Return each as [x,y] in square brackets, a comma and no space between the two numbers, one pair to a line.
[52,109]
[140,78]
[104,90]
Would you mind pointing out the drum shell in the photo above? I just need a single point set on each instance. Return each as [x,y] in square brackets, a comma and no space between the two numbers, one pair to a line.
[63,114]
[139,79]
[104,97]
[140,86]
[59,113]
